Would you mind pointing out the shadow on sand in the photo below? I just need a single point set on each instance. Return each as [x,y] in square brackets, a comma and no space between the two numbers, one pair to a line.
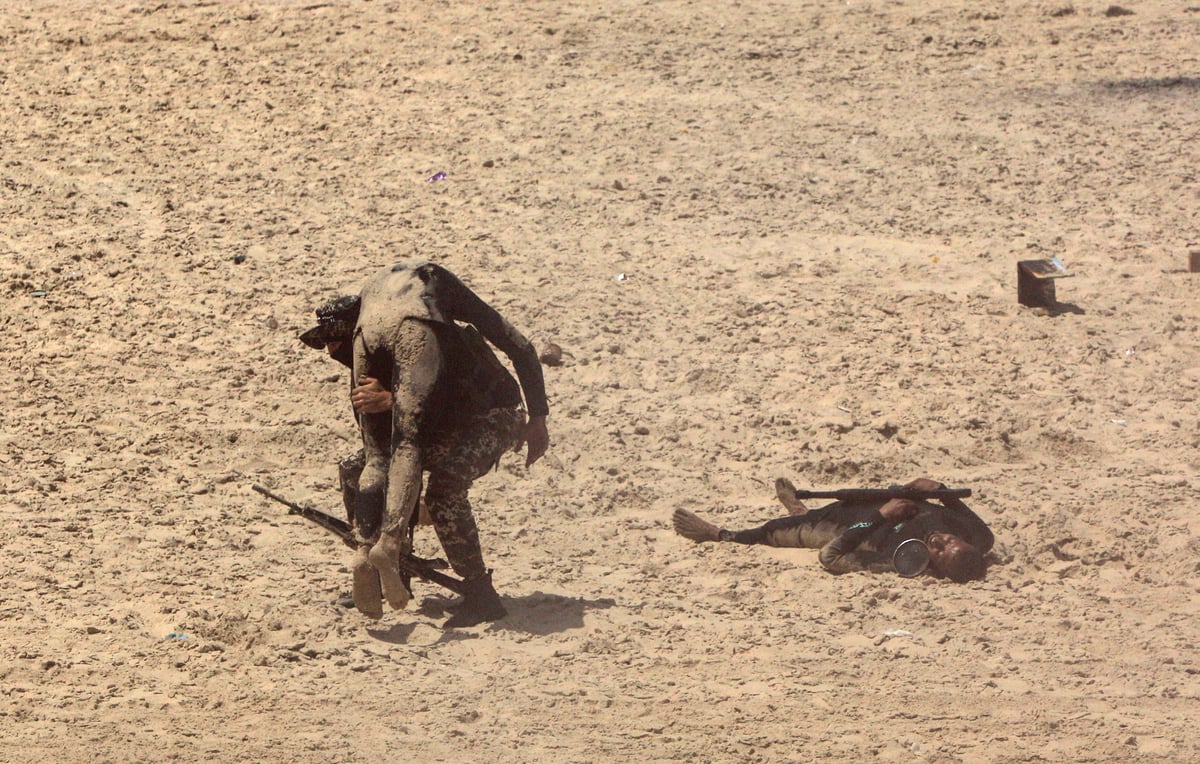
[538,614]
[1152,85]
[1062,308]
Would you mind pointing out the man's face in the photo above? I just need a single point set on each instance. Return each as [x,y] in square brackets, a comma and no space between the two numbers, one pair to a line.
[942,547]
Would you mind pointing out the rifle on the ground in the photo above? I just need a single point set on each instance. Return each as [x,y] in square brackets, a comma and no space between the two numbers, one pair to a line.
[895,492]
[410,564]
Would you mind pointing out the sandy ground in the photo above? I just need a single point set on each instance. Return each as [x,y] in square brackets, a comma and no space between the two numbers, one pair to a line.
[774,239]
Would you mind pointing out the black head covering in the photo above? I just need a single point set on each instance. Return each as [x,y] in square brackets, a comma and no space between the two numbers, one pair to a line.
[336,320]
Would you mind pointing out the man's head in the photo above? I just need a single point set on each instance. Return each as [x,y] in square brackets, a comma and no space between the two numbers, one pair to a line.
[336,320]
[955,559]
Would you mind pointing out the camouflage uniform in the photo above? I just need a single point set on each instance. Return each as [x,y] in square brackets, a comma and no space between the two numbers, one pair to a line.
[453,462]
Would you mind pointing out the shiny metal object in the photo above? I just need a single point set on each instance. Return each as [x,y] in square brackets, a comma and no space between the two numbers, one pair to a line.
[911,558]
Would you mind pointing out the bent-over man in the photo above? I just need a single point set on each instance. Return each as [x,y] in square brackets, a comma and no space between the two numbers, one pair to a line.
[429,395]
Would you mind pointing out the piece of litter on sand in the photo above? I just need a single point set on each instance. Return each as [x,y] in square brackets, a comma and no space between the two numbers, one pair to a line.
[436,176]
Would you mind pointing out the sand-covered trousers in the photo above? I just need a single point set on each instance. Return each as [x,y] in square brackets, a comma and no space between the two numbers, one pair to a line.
[453,461]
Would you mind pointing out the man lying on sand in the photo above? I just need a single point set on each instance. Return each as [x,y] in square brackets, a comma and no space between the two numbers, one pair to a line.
[865,535]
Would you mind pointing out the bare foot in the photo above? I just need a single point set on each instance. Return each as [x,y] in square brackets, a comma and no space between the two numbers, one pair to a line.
[367,593]
[786,493]
[384,556]
[690,526]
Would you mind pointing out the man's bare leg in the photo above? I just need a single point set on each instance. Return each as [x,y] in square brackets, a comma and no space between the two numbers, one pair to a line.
[384,556]
[786,492]
[690,526]
[368,595]
[417,361]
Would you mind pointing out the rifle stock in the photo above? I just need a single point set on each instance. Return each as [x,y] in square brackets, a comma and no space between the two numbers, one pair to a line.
[343,530]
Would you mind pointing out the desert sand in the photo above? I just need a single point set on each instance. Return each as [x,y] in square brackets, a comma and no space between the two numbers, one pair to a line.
[773,240]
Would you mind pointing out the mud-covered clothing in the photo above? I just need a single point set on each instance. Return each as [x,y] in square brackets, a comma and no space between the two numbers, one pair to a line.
[471,380]
[453,462]
[854,536]
[349,471]
[456,408]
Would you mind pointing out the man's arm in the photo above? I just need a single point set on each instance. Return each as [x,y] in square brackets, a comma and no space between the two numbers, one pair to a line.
[369,396]
[974,530]
[459,303]
[842,554]
[537,437]
[971,528]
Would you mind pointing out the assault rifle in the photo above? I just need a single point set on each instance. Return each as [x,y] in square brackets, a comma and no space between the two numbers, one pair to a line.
[408,563]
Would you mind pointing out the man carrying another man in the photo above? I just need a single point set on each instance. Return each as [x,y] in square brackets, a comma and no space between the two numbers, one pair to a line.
[866,534]
[430,396]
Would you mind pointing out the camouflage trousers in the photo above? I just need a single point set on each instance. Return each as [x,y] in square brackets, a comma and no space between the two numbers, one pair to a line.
[452,462]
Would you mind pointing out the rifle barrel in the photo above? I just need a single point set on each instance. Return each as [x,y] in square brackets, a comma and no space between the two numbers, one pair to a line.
[867,494]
